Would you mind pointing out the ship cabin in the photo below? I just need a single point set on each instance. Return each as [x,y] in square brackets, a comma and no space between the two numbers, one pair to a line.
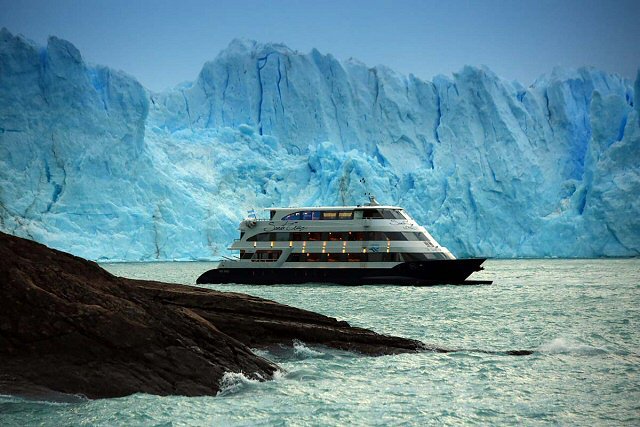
[342,234]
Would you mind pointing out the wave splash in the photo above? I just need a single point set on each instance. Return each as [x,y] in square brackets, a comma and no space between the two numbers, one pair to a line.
[301,351]
[234,383]
[563,345]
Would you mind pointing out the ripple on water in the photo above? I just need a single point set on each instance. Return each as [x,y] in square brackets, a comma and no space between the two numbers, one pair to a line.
[580,316]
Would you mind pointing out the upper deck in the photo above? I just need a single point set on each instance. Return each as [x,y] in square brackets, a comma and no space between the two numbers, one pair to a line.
[336,213]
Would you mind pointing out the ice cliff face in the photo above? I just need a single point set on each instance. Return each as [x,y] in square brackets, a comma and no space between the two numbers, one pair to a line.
[92,163]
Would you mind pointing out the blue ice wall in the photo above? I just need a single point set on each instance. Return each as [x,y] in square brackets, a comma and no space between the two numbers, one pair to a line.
[92,163]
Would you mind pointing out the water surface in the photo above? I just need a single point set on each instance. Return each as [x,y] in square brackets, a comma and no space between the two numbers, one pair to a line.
[582,318]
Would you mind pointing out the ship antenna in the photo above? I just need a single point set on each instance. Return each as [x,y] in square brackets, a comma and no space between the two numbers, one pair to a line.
[371,197]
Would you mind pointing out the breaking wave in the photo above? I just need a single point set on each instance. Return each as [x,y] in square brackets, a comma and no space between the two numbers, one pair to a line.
[567,346]
[234,383]
[301,351]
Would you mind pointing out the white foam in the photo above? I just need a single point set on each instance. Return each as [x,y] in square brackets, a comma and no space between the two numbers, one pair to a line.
[234,382]
[280,374]
[563,345]
[303,352]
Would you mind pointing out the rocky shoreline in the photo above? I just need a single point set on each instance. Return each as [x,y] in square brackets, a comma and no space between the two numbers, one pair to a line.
[68,326]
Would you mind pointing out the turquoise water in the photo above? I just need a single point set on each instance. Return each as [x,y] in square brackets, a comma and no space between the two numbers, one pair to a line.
[581,316]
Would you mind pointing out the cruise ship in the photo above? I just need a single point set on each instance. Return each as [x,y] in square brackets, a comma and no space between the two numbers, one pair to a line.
[346,245]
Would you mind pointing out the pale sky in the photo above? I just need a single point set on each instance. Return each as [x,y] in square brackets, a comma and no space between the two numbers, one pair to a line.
[163,43]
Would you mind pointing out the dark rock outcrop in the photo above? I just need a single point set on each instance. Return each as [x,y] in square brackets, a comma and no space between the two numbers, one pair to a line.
[68,326]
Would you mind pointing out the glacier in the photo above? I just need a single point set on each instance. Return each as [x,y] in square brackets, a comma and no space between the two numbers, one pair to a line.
[93,163]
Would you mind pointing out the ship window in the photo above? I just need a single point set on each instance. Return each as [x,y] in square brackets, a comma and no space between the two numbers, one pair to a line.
[262,237]
[337,236]
[334,257]
[350,257]
[421,236]
[356,235]
[317,215]
[356,257]
[314,236]
[323,215]
[271,237]
[416,236]
[372,214]
[272,214]
[246,255]
[376,235]
[266,256]
[392,214]
[294,258]
[292,217]
[329,215]
[387,214]
[314,257]
[395,236]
